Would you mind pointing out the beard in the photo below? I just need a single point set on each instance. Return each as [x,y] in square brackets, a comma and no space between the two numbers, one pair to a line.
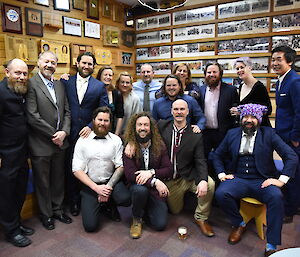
[143,140]
[249,131]
[18,87]
[101,131]
[85,74]
[212,82]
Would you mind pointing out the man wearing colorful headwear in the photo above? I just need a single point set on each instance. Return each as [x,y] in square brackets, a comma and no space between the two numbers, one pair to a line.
[252,173]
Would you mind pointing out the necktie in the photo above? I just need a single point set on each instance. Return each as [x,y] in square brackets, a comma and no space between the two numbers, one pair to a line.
[146,106]
[54,97]
[246,149]
[81,88]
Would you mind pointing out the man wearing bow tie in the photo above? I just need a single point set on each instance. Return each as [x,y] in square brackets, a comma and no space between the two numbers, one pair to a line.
[98,164]
[49,120]
[85,94]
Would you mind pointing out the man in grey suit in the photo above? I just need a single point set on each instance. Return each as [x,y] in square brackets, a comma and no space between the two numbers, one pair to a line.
[49,120]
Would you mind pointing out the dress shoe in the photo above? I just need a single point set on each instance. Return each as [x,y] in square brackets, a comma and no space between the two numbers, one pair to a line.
[205,228]
[113,213]
[269,252]
[26,231]
[48,223]
[236,234]
[74,209]
[136,228]
[64,218]
[19,240]
[288,219]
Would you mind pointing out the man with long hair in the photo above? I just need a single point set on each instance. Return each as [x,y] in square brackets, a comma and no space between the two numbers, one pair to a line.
[145,171]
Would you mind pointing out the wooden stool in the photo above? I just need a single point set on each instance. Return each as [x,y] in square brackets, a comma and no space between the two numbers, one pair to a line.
[252,208]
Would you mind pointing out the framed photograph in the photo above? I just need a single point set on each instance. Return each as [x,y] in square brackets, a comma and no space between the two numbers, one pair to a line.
[42,2]
[71,26]
[91,29]
[125,58]
[61,5]
[128,37]
[118,13]
[194,15]
[93,9]
[286,22]
[111,36]
[11,18]
[34,22]
[78,5]
[107,9]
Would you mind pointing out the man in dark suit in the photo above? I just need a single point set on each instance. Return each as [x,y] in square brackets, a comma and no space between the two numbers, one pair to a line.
[252,173]
[287,123]
[49,120]
[85,94]
[217,98]
[13,152]
[186,152]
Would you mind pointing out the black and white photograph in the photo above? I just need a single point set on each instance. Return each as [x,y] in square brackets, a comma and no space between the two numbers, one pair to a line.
[153,22]
[286,22]
[179,34]
[164,20]
[292,41]
[159,68]
[227,65]
[141,24]
[194,32]
[261,6]
[194,15]
[148,38]
[195,66]
[207,48]
[165,36]
[165,52]
[71,26]
[179,51]
[280,5]
[260,65]
[141,54]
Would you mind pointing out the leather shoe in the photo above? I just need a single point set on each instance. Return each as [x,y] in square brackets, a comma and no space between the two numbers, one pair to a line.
[288,219]
[48,223]
[269,252]
[75,209]
[64,218]
[113,213]
[26,231]
[236,234]
[19,240]
[205,228]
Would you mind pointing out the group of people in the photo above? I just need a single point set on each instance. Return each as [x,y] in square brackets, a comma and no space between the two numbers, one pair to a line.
[146,144]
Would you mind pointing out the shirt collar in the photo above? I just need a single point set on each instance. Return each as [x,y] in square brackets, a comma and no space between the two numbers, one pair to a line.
[81,78]
[245,135]
[45,81]
[92,135]
[281,78]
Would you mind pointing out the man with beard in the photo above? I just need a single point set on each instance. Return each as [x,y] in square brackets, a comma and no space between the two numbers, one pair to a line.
[49,120]
[97,163]
[252,173]
[217,98]
[13,152]
[145,172]
[85,94]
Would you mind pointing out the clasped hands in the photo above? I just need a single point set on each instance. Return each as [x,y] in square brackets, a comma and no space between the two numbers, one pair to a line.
[104,192]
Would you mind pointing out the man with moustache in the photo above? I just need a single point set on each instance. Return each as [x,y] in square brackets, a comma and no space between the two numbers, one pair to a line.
[145,173]
[97,163]
[287,122]
[84,94]
[146,88]
[217,98]
[13,152]
[252,173]
[49,120]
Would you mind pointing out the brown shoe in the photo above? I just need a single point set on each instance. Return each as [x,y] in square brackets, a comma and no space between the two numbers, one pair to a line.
[136,228]
[236,234]
[268,253]
[205,228]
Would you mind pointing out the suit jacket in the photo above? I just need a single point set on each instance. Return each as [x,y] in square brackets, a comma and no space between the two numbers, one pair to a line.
[228,98]
[287,123]
[42,114]
[191,163]
[266,142]
[81,114]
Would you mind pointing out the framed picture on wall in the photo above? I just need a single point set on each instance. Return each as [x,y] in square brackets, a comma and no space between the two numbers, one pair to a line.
[118,13]
[78,5]
[125,58]
[11,18]
[93,9]
[34,22]
[71,26]
[91,29]
[111,36]
[61,5]
[107,9]
[42,2]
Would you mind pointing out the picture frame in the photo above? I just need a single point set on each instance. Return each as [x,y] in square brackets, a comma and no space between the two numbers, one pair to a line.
[118,14]
[111,36]
[107,9]
[34,22]
[11,18]
[93,9]
[71,26]
[128,37]
[61,5]
[78,5]
[125,58]
[62,50]
[41,2]
[91,29]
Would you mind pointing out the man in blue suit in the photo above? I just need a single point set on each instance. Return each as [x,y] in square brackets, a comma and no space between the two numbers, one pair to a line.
[252,173]
[287,123]
[85,94]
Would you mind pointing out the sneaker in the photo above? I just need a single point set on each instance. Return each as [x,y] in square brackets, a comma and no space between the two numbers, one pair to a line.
[136,228]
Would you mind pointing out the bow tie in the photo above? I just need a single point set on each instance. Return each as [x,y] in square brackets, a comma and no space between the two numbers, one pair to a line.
[96,137]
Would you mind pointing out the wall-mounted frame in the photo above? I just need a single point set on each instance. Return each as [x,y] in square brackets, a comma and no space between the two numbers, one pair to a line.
[103,56]
[11,18]
[194,32]
[280,5]
[107,9]
[292,41]
[34,22]
[71,26]
[91,29]
[93,9]
[62,50]
[128,37]
[156,52]
[162,36]
[78,5]
[125,58]
[61,5]
[111,36]
[118,15]
[42,2]
[286,22]
[153,22]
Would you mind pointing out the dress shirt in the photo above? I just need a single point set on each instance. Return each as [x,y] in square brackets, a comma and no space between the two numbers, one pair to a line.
[281,78]
[211,107]
[98,158]
[139,88]
[146,155]
[50,86]
[81,85]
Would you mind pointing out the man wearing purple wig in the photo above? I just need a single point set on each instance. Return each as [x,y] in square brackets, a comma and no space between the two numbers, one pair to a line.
[252,173]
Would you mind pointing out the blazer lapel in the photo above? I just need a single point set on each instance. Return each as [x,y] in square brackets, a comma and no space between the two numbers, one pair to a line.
[43,87]
[88,90]
[185,138]
[236,143]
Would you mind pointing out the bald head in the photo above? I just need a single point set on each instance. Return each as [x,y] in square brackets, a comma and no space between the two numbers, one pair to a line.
[180,111]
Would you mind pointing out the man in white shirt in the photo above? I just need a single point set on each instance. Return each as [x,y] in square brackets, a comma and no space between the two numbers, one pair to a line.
[97,163]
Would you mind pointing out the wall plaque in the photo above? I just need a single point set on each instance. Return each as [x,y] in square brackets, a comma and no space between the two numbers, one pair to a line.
[11,18]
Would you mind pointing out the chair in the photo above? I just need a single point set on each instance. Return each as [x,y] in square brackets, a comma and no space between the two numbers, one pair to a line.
[252,208]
